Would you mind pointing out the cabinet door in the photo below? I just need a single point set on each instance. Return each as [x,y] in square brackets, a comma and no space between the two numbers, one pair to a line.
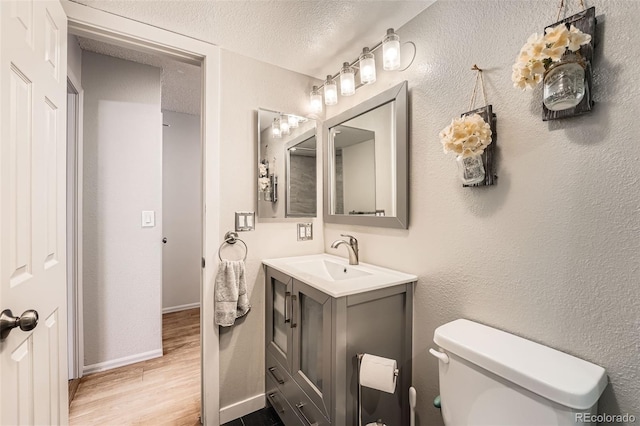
[279,336]
[311,323]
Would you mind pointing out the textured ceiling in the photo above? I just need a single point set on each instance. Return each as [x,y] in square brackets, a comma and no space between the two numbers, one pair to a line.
[311,37]
[180,81]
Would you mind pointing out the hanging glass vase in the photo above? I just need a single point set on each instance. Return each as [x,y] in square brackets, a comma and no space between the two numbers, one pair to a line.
[564,83]
[471,169]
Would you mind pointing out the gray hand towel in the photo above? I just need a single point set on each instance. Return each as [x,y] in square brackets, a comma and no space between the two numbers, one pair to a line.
[230,293]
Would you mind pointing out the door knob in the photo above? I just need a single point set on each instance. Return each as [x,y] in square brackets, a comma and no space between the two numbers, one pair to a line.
[27,322]
[164,240]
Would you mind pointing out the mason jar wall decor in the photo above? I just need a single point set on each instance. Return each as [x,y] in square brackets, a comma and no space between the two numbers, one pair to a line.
[472,137]
[561,59]
[564,86]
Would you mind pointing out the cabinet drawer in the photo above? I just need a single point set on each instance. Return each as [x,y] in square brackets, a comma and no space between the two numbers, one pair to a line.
[305,410]
[280,404]
[275,370]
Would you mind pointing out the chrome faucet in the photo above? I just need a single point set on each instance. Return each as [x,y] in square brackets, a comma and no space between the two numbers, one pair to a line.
[352,246]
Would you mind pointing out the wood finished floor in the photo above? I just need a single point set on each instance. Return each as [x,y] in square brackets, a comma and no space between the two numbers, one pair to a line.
[160,391]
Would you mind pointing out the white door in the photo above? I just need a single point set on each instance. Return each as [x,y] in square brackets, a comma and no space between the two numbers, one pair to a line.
[33,82]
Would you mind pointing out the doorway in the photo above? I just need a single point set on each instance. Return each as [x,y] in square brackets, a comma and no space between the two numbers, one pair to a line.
[106,239]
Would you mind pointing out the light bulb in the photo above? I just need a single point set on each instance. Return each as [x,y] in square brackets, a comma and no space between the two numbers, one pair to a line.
[275,128]
[293,121]
[347,80]
[284,125]
[391,51]
[330,91]
[367,67]
[315,99]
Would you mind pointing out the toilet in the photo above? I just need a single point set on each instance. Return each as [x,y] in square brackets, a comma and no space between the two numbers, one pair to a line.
[489,377]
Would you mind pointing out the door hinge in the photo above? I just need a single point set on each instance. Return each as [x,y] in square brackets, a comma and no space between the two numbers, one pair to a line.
[203,262]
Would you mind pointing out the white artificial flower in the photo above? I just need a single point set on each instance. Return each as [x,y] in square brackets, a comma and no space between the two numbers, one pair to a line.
[577,38]
[466,136]
[263,183]
[540,51]
[557,36]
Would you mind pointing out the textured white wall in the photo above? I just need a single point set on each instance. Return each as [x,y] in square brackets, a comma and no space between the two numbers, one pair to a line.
[359,176]
[550,253]
[181,209]
[255,85]
[122,177]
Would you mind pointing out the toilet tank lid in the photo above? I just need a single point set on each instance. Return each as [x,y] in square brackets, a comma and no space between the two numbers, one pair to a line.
[552,374]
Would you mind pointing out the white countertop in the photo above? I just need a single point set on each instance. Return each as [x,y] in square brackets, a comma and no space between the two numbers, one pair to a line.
[376,278]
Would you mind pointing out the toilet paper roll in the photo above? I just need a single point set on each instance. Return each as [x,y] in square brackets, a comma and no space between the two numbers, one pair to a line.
[378,373]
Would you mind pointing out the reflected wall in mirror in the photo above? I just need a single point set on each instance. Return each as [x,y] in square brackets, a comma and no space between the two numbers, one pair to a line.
[366,176]
[287,177]
[301,176]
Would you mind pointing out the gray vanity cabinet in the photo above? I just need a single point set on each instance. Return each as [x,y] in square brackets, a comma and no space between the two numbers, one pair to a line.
[298,337]
[312,342]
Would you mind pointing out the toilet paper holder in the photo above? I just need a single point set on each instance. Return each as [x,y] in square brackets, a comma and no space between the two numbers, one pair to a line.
[359,356]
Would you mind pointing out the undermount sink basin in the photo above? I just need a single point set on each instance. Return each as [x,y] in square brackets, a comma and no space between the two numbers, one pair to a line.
[330,271]
[334,276]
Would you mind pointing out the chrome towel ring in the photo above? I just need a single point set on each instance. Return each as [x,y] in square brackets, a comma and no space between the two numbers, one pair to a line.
[232,238]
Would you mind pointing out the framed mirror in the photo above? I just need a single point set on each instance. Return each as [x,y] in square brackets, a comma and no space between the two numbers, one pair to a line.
[287,175]
[366,176]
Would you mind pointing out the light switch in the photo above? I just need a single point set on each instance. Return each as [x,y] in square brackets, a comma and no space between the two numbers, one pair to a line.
[148,218]
[245,221]
[305,231]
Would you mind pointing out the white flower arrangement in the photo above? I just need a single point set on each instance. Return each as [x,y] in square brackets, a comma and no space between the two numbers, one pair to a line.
[262,170]
[541,51]
[466,136]
[264,184]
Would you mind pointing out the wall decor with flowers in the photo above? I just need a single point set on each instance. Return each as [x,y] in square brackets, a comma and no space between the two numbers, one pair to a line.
[267,183]
[472,137]
[561,59]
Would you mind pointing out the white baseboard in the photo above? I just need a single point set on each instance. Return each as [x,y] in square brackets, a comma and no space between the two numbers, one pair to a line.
[132,359]
[180,307]
[242,408]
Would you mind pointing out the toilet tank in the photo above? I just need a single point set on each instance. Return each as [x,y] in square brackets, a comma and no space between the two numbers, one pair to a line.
[490,377]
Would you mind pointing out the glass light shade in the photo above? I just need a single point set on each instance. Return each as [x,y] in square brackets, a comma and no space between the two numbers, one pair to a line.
[391,51]
[367,67]
[293,121]
[284,125]
[315,98]
[275,128]
[347,80]
[330,91]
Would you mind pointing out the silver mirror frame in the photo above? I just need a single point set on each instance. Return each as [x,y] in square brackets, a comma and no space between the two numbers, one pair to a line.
[398,93]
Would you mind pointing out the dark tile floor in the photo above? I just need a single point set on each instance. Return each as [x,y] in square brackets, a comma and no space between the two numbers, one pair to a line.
[265,417]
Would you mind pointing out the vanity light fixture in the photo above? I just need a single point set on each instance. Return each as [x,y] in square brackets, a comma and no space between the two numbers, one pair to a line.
[347,80]
[284,125]
[365,64]
[293,121]
[367,67]
[316,100]
[330,91]
[391,51]
[275,128]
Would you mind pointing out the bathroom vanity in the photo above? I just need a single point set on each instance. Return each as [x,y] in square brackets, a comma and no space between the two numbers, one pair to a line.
[321,313]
